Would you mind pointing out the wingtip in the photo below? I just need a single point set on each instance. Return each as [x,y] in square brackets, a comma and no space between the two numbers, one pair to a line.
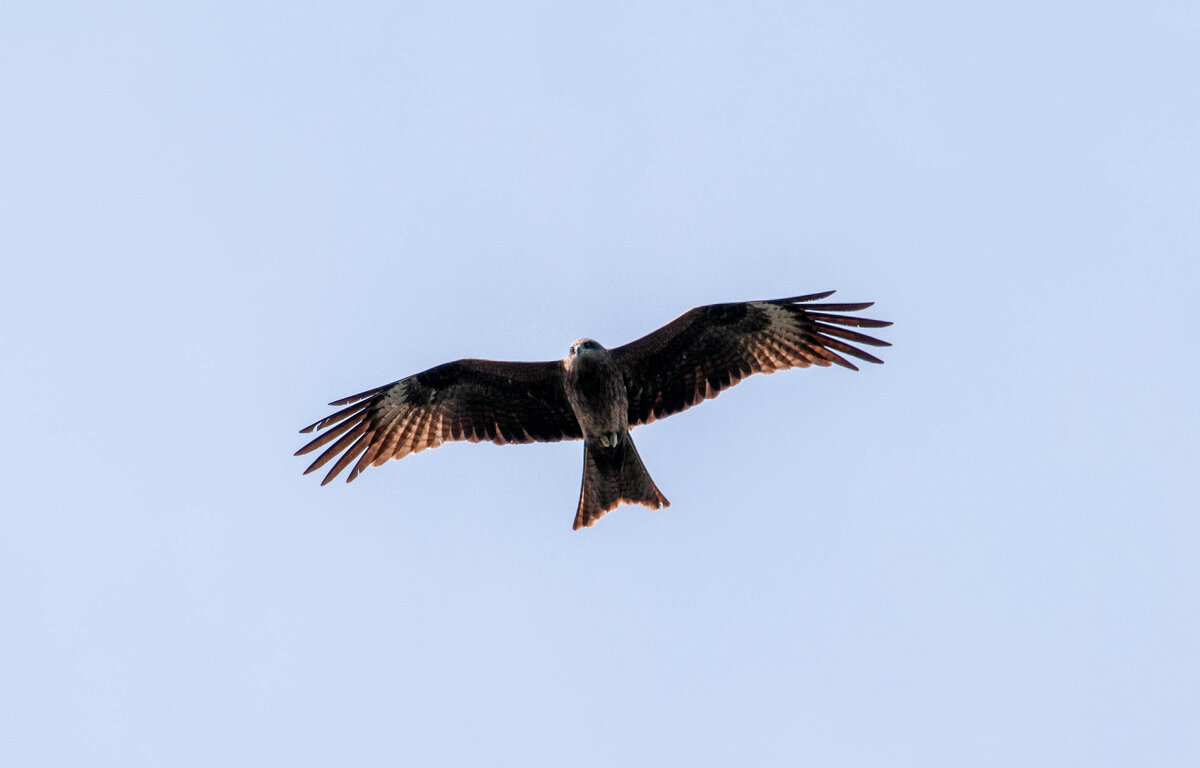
[807,297]
[362,395]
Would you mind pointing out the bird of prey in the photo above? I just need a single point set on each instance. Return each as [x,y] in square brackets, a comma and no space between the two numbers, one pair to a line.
[594,394]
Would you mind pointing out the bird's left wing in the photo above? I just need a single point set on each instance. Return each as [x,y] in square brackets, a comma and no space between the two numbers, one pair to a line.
[708,349]
[474,400]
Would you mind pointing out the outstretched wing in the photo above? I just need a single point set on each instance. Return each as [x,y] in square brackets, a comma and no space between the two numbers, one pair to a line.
[708,349]
[473,400]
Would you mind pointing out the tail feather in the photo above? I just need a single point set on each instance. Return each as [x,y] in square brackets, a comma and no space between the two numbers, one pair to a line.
[611,477]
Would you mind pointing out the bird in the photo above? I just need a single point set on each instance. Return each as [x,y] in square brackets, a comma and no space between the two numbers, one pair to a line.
[594,394]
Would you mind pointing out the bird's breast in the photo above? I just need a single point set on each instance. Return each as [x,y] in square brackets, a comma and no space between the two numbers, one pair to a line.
[596,392]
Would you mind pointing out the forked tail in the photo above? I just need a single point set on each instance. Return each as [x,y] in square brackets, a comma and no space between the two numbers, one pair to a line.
[611,477]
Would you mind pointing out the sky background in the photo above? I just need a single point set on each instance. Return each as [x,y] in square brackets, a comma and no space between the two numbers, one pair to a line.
[217,217]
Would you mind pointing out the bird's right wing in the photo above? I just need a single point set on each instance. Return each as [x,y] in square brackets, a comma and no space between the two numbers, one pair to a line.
[709,349]
[474,400]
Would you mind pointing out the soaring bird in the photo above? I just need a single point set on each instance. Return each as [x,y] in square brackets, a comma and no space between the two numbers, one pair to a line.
[594,394]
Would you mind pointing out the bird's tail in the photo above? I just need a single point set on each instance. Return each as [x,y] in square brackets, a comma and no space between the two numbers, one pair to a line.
[613,476]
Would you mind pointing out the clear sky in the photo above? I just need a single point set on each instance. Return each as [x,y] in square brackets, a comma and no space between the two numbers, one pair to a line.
[217,217]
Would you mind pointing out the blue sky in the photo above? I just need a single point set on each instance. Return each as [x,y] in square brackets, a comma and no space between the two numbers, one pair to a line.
[219,216]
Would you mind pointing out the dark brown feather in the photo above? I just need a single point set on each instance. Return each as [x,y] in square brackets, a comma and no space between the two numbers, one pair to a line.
[471,400]
[613,476]
[709,349]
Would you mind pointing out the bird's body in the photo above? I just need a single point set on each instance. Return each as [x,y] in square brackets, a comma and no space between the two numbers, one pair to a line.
[596,391]
[593,394]
[612,470]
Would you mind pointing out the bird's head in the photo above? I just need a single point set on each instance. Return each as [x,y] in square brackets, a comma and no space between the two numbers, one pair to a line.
[585,347]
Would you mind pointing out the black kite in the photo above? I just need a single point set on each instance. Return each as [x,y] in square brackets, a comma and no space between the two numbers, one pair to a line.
[593,394]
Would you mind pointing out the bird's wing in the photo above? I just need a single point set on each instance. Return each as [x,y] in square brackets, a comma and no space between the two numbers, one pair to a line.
[708,349]
[473,400]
